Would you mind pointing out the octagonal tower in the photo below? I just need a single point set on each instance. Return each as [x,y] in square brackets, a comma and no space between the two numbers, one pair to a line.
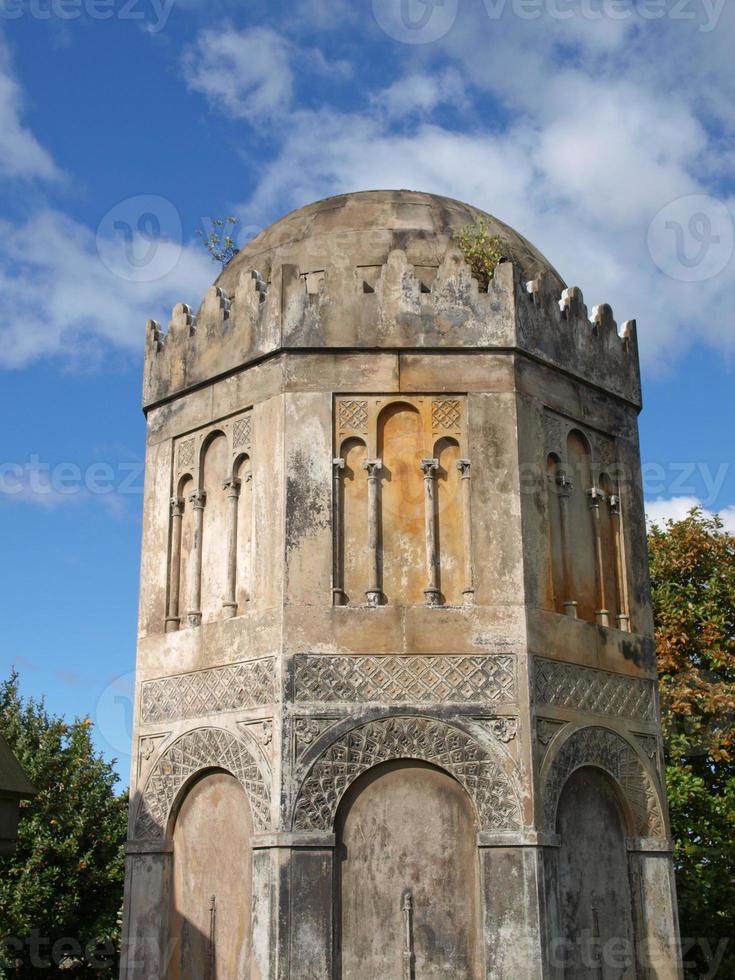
[396,708]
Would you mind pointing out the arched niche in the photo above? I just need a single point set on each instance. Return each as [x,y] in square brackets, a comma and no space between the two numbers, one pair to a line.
[243,472]
[481,768]
[408,876]
[402,529]
[214,472]
[583,585]
[183,760]
[556,585]
[449,519]
[353,508]
[610,544]
[182,564]
[596,914]
[210,933]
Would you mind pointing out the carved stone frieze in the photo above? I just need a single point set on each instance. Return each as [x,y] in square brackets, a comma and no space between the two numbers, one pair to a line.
[606,750]
[446,414]
[400,680]
[546,729]
[206,692]
[204,748]
[185,454]
[242,433]
[484,776]
[306,731]
[352,415]
[594,691]
[504,729]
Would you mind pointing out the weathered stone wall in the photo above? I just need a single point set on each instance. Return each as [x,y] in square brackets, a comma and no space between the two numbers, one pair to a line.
[394,554]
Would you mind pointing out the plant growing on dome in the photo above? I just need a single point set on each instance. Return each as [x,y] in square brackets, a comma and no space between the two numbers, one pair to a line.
[481,250]
[219,241]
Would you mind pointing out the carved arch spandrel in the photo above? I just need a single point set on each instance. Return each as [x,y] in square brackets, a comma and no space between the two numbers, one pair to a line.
[605,749]
[483,773]
[194,752]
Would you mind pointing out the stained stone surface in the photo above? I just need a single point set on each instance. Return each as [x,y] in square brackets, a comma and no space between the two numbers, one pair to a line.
[395,670]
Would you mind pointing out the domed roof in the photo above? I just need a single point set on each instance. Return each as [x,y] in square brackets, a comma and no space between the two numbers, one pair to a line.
[362,229]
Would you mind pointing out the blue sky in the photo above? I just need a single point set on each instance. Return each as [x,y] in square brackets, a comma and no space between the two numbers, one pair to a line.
[602,129]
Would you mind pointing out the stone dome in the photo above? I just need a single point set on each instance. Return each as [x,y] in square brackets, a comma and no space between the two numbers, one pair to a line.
[363,228]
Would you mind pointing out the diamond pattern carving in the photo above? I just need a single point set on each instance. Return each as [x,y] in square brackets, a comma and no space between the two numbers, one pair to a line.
[353,414]
[446,413]
[607,750]
[241,432]
[484,777]
[595,691]
[207,692]
[186,454]
[398,680]
[204,748]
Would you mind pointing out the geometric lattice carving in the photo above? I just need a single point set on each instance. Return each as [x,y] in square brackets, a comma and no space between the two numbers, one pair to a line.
[446,413]
[482,774]
[241,432]
[206,692]
[609,751]
[186,454]
[594,691]
[398,680]
[353,415]
[205,748]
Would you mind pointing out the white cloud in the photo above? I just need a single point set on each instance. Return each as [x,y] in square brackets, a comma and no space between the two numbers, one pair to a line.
[421,93]
[591,147]
[21,155]
[59,297]
[677,508]
[246,72]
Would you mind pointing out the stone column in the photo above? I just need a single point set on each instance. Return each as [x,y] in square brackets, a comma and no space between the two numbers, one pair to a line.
[565,489]
[518,907]
[293,934]
[468,592]
[603,613]
[229,605]
[145,952]
[194,615]
[338,592]
[373,592]
[173,619]
[429,468]
[654,909]
[623,617]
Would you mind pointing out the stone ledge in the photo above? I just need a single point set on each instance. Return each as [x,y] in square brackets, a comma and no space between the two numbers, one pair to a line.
[316,840]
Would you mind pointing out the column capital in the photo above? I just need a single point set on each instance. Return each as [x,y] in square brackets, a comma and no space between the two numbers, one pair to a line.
[463,465]
[177,506]
[373,467]
[198,499]
[596,496]
[338,464]
[564,485]
[233,486]
[429,466]
[614,504]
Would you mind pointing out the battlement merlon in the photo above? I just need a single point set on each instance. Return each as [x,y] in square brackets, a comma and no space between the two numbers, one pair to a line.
[393,306]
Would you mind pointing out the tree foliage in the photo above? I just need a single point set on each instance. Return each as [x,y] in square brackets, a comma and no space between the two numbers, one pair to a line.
[219,240]
[481,250]
[61,892]
[693,579]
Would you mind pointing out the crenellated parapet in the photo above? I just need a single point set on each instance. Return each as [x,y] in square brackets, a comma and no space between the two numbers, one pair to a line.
[396,305]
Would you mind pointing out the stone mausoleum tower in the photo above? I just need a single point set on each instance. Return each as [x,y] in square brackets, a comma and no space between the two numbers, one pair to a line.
[396,711]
